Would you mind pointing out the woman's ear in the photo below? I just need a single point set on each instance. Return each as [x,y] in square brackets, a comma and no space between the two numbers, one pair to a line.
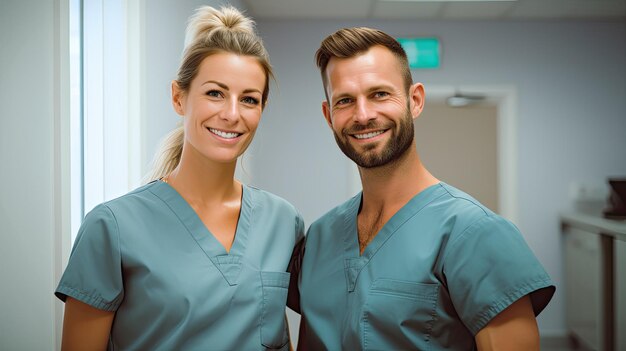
[178,98]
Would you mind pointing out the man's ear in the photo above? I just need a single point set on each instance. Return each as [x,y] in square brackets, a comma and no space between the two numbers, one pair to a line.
[178,98]
[326,112]
[416,96]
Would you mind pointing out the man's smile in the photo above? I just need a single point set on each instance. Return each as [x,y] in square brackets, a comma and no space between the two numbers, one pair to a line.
[368,135]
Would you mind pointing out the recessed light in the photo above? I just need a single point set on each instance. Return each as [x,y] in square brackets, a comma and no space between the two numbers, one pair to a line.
[447,0]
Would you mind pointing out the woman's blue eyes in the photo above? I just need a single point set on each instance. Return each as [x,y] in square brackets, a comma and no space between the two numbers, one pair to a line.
[246,99]
[250,100]
[214,93]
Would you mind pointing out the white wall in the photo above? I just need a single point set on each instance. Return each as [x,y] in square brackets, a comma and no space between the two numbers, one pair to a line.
[571,84]
[32,246]
[26,177]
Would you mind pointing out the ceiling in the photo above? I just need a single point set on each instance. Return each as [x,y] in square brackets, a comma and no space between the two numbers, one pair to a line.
[438,10]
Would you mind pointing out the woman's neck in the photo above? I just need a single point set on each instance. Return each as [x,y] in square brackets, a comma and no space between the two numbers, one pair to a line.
[204,182]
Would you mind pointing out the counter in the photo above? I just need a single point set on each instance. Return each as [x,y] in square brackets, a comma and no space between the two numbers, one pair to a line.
[595,280]
[595,224]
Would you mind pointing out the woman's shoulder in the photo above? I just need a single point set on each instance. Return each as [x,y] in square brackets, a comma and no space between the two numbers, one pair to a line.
[265,199]
[138,198]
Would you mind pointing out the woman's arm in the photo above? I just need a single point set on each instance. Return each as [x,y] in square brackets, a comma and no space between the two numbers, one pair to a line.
[85,327]
[515,328]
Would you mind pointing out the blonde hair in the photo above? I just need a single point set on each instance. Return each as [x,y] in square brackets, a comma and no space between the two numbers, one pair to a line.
[209,31]
[349,42]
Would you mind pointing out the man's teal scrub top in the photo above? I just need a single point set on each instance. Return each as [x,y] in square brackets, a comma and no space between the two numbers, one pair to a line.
[436,273]
[148,257]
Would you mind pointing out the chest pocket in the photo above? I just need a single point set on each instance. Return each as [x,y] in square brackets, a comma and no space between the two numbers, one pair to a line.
[274,334]
[398,315]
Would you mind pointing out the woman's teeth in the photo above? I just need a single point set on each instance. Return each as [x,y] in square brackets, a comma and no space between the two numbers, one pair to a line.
[225,135]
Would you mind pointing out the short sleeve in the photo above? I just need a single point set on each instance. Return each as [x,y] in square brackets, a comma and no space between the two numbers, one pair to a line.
[94,271]
[293,297]
[490,266]
[299,228]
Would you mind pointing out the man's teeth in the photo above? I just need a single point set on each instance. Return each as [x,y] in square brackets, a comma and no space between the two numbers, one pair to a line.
[368,135]
[225,135]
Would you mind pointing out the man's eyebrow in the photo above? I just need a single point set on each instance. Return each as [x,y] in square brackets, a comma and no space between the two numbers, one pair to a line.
[370,90]
[379,87]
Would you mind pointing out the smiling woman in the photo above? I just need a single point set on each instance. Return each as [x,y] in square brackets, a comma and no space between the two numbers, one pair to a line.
[171,265]
[223,106]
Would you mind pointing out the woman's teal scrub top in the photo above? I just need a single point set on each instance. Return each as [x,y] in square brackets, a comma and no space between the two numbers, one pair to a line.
[148,257]
[438,271]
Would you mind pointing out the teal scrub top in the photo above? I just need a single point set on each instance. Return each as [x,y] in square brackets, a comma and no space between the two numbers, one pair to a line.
[437,272]
[149,257]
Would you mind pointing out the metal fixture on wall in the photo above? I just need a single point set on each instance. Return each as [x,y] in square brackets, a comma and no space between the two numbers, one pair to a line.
[462,100]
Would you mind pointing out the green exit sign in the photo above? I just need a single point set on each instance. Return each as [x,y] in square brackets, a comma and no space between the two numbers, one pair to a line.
[422,52]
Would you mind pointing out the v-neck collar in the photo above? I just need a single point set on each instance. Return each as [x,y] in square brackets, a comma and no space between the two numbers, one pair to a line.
[354,261]
[229,263]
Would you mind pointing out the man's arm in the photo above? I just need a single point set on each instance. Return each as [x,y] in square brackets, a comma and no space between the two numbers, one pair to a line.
[515,328]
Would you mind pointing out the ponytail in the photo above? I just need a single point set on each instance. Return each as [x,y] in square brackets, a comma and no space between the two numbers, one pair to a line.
[168,156]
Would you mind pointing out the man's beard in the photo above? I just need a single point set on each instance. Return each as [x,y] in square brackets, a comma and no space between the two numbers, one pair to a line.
[401,139]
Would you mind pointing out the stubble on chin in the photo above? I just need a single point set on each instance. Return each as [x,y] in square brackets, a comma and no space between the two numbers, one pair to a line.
[400,140]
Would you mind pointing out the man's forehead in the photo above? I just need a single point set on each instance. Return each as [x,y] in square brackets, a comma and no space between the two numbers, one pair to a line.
[374,66]
[368,56]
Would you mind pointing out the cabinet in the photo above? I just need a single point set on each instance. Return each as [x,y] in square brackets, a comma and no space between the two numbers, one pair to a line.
[595,280]
[620,294]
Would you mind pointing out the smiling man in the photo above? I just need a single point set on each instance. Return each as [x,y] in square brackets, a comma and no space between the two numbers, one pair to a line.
[410,262]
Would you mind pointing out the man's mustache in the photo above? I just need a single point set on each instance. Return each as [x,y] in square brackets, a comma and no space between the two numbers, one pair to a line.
[369,126]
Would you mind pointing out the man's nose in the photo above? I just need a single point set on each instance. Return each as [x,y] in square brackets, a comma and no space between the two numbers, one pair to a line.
[364,112]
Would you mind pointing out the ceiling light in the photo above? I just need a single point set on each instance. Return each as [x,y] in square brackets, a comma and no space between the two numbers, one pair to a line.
[447,0]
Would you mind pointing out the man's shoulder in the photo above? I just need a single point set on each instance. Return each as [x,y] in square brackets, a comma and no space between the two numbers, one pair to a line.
[457,211]
[459,204]
[468,215]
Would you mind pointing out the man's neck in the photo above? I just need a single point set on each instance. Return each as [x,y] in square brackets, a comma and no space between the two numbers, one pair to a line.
[388,188]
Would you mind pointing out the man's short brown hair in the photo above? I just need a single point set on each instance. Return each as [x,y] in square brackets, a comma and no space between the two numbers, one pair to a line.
[349,42]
